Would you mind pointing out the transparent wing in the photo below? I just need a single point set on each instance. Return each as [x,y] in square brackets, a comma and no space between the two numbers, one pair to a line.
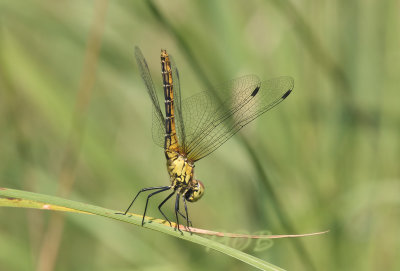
[180,126]
[211,119]
[159,128]
[158,117]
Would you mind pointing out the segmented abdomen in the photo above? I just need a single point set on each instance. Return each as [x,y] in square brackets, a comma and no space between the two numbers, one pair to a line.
[171,139]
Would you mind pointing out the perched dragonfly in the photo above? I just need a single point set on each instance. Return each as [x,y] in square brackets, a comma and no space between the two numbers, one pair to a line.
[195,127]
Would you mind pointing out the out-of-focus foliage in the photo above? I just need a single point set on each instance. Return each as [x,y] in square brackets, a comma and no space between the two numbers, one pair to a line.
[75,121]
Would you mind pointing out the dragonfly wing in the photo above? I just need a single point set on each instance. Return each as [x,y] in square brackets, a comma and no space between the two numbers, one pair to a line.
[180,127]
[158,128]
[210,120]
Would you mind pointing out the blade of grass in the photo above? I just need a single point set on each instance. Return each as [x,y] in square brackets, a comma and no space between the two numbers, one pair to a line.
[136,220]
[23,203]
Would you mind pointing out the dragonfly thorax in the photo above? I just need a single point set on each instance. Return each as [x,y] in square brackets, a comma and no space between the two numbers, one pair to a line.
[181,173]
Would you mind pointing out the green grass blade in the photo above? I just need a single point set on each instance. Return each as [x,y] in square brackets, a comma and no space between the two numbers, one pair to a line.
[246,258]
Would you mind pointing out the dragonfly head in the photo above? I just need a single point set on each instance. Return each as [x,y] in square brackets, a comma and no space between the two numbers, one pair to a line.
[196,192]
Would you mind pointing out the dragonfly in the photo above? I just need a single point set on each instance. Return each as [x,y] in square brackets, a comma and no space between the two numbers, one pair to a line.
[194,127]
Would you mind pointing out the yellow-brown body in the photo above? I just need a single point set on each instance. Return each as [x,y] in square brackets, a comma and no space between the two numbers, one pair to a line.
[179,168]
[180,171]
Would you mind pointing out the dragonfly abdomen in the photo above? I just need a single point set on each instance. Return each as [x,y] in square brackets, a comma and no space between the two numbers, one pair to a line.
[171,139]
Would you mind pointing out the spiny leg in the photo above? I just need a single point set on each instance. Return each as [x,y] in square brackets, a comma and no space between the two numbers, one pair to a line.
[176,212]
[182,215]
[184,200]
[141,190]
[188,222]
[147,201]
[186,217]
[162,203]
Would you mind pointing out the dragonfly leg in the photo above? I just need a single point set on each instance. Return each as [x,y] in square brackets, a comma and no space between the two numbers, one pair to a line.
[141,190]
[147,201]
[162,203]
[188,222]
[176,212]
[182,215]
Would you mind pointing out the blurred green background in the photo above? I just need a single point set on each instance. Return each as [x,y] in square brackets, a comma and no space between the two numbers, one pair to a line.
[75,121]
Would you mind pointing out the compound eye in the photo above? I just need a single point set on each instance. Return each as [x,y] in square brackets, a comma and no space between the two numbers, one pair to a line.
[196,192]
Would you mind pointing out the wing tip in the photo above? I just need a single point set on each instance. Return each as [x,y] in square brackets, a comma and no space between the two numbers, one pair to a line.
[255,91]
[284,96]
